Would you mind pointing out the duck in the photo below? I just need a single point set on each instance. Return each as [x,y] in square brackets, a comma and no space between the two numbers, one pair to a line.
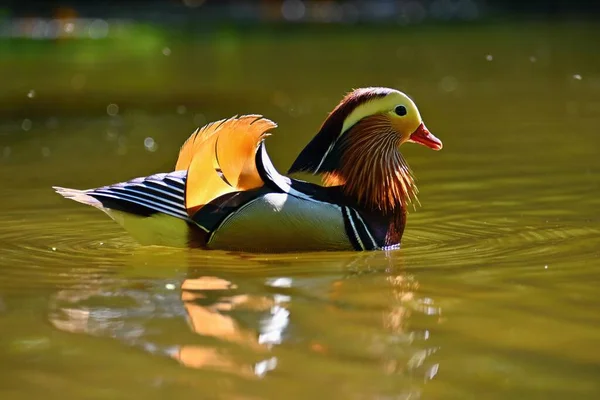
[225,193]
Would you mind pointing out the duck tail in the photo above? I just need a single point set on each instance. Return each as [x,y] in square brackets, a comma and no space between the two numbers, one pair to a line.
[79,196]
[220,159]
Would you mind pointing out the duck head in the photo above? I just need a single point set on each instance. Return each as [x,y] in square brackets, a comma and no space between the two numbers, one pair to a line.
[358,147]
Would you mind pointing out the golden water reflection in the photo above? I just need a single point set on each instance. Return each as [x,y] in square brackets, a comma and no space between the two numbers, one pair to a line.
[223,321]
[212,320]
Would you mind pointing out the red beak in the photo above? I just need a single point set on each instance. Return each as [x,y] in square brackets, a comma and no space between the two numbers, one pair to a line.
[422,136]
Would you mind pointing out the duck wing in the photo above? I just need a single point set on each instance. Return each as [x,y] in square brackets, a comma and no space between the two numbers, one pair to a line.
[215,173]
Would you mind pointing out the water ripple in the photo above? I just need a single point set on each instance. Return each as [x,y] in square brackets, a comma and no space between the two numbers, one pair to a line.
[38,253]
[459,242]
[62,249]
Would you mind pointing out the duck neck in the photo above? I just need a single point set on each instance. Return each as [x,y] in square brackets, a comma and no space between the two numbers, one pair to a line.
[370,169]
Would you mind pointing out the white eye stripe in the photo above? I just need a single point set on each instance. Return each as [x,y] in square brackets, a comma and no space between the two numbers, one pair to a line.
[379,105]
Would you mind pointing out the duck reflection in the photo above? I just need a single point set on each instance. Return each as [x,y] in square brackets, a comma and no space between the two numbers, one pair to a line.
[403,323]
[210,316]
[326,309]
[131,314]
[397,323]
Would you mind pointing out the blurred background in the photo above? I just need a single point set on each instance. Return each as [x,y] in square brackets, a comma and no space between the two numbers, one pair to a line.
[190,61]
[492,296]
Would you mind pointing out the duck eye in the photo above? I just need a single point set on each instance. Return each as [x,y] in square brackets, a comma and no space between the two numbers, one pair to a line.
[400,110]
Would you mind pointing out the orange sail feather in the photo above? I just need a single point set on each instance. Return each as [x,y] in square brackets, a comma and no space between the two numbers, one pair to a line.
[220,159]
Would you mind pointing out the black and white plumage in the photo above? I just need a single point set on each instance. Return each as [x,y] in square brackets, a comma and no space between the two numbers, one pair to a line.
[232,221]
[143,196]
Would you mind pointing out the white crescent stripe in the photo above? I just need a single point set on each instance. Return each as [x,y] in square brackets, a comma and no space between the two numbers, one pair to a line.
[366,228]
[356,235]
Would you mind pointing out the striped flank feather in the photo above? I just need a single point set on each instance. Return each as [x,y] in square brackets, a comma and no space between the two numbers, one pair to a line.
[164,193]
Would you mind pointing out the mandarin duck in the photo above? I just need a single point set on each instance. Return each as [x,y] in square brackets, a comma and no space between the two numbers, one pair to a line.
[226,194]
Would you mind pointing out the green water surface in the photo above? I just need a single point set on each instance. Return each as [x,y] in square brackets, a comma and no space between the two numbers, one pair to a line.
[494,294]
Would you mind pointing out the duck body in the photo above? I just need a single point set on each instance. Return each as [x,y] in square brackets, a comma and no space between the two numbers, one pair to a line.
[226,194]
[282,215]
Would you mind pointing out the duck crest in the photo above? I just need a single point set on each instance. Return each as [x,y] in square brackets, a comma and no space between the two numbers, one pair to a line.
[313,157]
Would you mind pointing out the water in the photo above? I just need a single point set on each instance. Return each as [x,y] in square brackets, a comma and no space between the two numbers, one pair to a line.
[494,294]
